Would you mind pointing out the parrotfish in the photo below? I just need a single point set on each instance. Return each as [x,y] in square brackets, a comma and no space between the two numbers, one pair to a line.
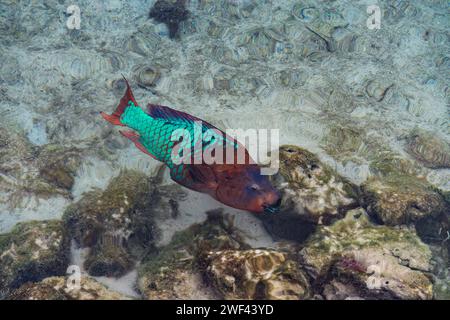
[238,184]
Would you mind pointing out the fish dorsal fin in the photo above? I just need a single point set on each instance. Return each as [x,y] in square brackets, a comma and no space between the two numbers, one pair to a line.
[169,114]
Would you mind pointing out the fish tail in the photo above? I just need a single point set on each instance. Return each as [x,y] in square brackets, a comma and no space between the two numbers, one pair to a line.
[114,118]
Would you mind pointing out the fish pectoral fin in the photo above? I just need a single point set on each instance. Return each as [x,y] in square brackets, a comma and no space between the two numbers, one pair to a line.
[134,137]
[195,178]
[202,174]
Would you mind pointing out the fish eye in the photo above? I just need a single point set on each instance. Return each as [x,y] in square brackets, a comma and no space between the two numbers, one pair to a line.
[254,187]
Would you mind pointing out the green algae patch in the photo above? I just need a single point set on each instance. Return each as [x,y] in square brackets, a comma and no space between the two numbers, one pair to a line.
[402,199]
[429,148]
[256,274]
[313,189]
[341,141]
[173,272]
[312,194]
[32,251]
[356,248]
[56,288]
[117,224]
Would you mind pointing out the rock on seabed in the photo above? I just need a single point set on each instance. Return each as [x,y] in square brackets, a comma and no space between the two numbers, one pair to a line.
[174,271]
[116,223]
[312,189]
[312,194]
[256,274]
[402,199]
[32,251]
[429,148]
[380,261]
[56,288]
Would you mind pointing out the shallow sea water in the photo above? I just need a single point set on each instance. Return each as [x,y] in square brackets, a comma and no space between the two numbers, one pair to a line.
[237,64]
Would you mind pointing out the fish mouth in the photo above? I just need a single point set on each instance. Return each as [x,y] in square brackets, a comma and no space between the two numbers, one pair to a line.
[273,208]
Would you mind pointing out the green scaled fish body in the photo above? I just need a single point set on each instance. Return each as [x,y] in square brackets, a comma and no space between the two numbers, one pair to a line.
[158,135]
[155,134]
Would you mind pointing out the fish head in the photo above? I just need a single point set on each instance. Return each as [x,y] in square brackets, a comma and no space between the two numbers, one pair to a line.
[245,188]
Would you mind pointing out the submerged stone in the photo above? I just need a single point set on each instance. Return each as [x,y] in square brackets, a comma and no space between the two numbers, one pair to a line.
[314,190]
[401,199]
[256,274]
[108,257]
[210,261]
[341,290]
[174,273]
[61,288]
[58,165]
[441,272]
[170,12]
[381,261]
[116,224]
[171,274]
[429,149]
[32,251]
[146,76]
[39,171]
[377,89]
[312,193]
[343,141]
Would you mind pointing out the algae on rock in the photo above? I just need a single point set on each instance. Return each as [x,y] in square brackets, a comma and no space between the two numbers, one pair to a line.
[57,165]
[383,262]
[312,189]
[342,141]
[32,251]
[173,271]
[341,289]
[312,193]
[188,268]
[402,199]
[256,274]
[428,148]
[214,251]
[116,224]
[108,257]
[41,171]
[60,288]
[171,13]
